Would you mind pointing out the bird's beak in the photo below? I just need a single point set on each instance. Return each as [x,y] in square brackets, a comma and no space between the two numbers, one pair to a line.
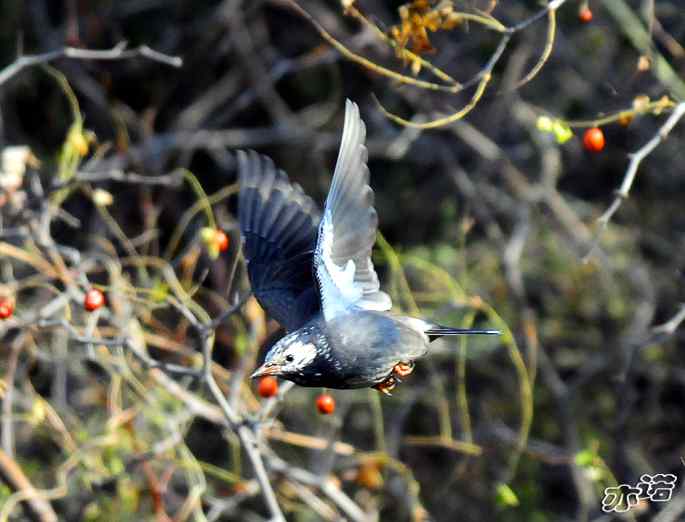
[265,369]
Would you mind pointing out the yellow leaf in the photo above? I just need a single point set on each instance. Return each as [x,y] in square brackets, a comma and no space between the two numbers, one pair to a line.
[505,496]
[640,102]
[544,124]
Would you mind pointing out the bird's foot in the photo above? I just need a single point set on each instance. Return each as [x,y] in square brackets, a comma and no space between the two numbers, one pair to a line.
[402,369]
[387,385]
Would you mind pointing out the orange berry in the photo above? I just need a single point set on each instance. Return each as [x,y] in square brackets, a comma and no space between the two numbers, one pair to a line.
[325,404]
[221,240]
[593,139]
[268,387]
[6,307]
[369,475]
[94,300]
[624,119]
[585,15]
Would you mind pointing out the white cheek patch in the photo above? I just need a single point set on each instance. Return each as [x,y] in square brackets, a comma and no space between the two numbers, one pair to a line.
[303,354]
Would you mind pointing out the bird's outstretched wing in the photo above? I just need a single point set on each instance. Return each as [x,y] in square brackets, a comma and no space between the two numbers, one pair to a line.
[279,225]
[347,231]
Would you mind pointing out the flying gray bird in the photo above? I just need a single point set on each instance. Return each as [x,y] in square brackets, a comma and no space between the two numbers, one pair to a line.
[314,275]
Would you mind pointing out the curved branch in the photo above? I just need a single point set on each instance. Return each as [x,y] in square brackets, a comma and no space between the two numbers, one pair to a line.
[118,52]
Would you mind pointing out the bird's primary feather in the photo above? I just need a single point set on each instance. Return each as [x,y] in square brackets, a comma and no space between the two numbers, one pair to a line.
[347,232]
[279,225]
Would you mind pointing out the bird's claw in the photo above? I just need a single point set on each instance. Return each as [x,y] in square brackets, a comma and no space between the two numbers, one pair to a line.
[387,385]
[402,369]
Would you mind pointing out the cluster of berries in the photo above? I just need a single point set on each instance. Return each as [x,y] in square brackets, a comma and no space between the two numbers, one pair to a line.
[593,139]
[268,387]
[93,300]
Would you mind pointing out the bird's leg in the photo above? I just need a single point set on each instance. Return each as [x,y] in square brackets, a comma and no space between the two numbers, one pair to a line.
[387,385]
[402,369]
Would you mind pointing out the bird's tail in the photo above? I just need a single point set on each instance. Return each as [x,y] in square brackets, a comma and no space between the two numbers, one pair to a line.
[437,331]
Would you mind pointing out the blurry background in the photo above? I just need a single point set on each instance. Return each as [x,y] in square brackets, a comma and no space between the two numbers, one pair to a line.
[490,219]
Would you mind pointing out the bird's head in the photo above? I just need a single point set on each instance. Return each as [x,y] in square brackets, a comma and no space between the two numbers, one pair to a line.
[290,356]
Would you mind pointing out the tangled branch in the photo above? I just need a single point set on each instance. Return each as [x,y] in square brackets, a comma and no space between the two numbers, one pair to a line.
[481,79]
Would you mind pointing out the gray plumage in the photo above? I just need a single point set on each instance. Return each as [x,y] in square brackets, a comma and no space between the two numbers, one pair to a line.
[350,213]
[355,350]
[314,274]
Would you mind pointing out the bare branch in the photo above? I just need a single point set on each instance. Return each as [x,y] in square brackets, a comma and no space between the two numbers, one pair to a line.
[629,177]
[118,52]
[11,474]
[247,436]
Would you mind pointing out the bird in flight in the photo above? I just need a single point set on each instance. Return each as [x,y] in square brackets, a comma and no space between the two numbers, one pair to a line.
[314,275]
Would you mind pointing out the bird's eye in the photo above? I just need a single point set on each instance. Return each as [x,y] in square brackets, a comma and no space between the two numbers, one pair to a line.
[290,357]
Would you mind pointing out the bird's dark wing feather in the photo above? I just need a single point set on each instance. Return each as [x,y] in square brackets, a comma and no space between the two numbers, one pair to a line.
[279,224]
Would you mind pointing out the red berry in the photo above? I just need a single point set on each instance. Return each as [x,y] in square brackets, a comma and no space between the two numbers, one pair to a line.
[268,387]
[94,300]
[325,404]
[221,240]
[585,15]
[6,307]
[593,139]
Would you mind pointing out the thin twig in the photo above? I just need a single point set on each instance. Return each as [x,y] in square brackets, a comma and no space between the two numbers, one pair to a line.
[38,509]
[665,330]
[327,487]
[118,52]
[483,77]
[629,177]
[172,179]
[247,436]
[7,401]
